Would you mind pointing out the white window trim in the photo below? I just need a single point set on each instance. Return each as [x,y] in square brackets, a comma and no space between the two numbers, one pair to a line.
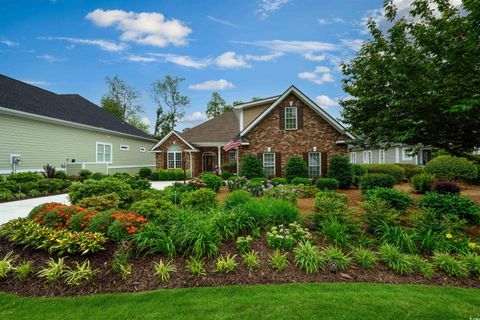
[404,155]
[96,152]
[124,147]
[296,118]
[380,152]
[143,149]
[230,156]
[319,163]
[353,157]
[274,162]
[174,160]
[367,159]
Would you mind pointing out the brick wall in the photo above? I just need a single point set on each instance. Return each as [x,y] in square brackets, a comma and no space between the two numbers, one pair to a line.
[160,156]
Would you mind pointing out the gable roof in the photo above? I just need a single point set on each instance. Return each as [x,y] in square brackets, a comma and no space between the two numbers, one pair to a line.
[307,101]
[178,134]
[71,108]
[254,103]
[222,128]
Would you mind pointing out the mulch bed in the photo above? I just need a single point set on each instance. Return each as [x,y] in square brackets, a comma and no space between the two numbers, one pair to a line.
[142,278]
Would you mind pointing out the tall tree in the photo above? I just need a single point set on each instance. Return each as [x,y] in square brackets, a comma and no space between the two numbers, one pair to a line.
[216,106]
[419,81]
[122,101]
[171,104]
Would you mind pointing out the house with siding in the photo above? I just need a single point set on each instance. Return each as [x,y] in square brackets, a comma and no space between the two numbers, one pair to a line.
[273,129]
[418,155]
[67,131]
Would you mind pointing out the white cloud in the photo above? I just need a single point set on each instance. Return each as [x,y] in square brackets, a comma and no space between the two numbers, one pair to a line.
[185,61]
[145,28]
[319,75]
[326,101]
[135,58]
[231,60]
[197,116]
[50,59]
[102,44]
[221,84]
[353,44]
[266,7]
[299,47]
[38,83]
[325,21]
[265,57]
[224,22]
[312,57]
[9,43]
[146,120]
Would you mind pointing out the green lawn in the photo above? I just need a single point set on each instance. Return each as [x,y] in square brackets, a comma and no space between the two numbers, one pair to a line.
[295,301]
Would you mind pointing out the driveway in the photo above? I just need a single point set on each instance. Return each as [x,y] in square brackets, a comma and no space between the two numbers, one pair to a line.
[19,209]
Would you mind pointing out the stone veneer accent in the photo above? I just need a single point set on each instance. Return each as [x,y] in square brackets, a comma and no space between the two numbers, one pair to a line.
[316,132]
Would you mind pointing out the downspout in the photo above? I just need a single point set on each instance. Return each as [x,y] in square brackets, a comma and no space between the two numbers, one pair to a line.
[219,159]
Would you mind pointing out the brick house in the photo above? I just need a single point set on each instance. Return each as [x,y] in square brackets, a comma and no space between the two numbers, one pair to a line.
[273,129]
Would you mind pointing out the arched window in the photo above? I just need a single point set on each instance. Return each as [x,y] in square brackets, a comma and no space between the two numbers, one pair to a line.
[174,157]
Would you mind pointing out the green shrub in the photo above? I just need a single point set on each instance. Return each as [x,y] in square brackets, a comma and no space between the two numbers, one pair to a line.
[308,258]
[145,172]
[472,260]
[391,169]
[410,169]
[236,183]
[278,260]
[60,175]
[270,212]
[394,198]
[327,184]
[226,175]
[100,203]
[340,169]
[255,188]
[452,168]
[377,214]
[101,187]
[335,231]
[365,257]
[287,236]
[152,238]
[447,187]
[163,270]
[236,198]
[422,183]
[226,264]
[212,181]
[335,257]
[81,273]
[100,222]
[85,174]
[452,205]
[201,199]
[98,176]
[169,175]
[396,236]
[195,267]
[300,180]
[252,261]
[6,265]
[5,194]
[23,270]
[376,180]
[22,177]
[281,192]
[395,260]
[279,181]
[251,167]
[358,171]
[244,244]
[153,209]
[53,271]
[296,167]
[328,204]
[450,265]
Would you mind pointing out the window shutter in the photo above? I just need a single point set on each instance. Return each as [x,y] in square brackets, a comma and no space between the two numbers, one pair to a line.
[300,117]
[305,157]
[323,162]
[165,160]
[260,156]
[278,164]
[281,111]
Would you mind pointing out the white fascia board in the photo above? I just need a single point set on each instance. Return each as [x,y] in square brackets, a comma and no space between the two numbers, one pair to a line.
[168,136]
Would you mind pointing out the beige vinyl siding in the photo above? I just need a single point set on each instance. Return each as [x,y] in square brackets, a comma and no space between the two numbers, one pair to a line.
[40,142]
[249,114]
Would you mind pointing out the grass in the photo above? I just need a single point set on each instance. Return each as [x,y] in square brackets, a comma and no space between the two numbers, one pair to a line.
[293,301]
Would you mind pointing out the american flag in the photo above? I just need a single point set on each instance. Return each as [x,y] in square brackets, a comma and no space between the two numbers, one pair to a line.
[232,144]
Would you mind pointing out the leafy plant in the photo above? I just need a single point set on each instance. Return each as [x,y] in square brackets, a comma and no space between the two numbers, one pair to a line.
[300,180]
[6,265]
[84,173]
[339,169]
[334,255]
[336,232]
[327,184]
[270,212]
[244,244]
[421,265]
[226,264]
[410,169]
[393,170]
[308,258]
[445,262]
[81,273]
[101,203]
[285,193]
[451,168]
[396,199]
[195,267]
[377,214]
[153,238]
[279,181]
[125,224]
[145,172]
[53,271]
[236,183]
[251,167]
[395,260]
[49,171]
[358,171]
[472,260]
[212,181]
[163,270]
[100,187]
[328,204]
[22,177]
[201,199]
[153,209]
[365,257]
[120,261]
[447,187]
[397,236]
[278,260]
[286,236]
[24,269]
[296,167]
[251,260]
[422,183]
[453,205]
[236,198]
[376,180]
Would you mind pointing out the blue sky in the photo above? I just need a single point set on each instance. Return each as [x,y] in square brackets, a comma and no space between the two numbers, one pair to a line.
[239,48]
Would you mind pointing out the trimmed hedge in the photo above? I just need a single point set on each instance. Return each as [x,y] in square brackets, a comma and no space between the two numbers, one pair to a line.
[168,175]
[376,180]
[422,183]
[452,168]
[391,169]
[301,180]
[410,169]
[327,184]
[340,169]
[393,198]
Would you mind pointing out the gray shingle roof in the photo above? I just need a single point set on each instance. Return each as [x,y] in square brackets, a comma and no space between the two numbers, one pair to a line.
[20,96]
[222,128]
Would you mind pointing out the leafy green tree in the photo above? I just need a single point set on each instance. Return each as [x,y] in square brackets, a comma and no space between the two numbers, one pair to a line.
[251,167]
[171,104]
[340,169]
[295,168]
[419,81]
[216,106]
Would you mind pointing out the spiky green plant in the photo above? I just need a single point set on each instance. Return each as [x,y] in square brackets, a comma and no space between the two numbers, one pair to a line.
[278,260]
[163,270]
[251,260]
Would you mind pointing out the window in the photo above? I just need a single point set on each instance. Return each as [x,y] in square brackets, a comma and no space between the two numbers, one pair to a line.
[143,149]
[313,165]
[124,147]
[291,118]
[269,164]
[381,156]
[406,156]
[353,157]
[174,157]
[104,152]
[232,156]
[367,156]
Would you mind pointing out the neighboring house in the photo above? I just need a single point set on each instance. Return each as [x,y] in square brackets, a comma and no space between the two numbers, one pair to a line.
[67,131]
[273,129]
[395,154]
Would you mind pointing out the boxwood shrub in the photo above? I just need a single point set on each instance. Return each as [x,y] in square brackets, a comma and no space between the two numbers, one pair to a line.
[394,198]
[340,169]
[391,169]
[168,175]
[301,180]
[201,199]
[277,181]
[422,183]
[450,204]
[452,168]
[296,167]
[327,184]
[376,180]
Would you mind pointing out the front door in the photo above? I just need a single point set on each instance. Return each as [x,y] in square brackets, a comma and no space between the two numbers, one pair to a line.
[209,162]
[426,156]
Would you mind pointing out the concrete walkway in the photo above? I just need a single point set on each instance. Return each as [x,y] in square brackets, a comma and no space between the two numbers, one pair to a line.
[18,209]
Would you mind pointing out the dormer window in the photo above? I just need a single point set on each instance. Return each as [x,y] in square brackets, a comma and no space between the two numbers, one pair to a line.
[291,118]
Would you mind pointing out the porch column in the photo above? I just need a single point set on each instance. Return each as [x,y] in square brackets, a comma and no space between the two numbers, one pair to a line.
[191,164]
[219,159]
[238,161]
